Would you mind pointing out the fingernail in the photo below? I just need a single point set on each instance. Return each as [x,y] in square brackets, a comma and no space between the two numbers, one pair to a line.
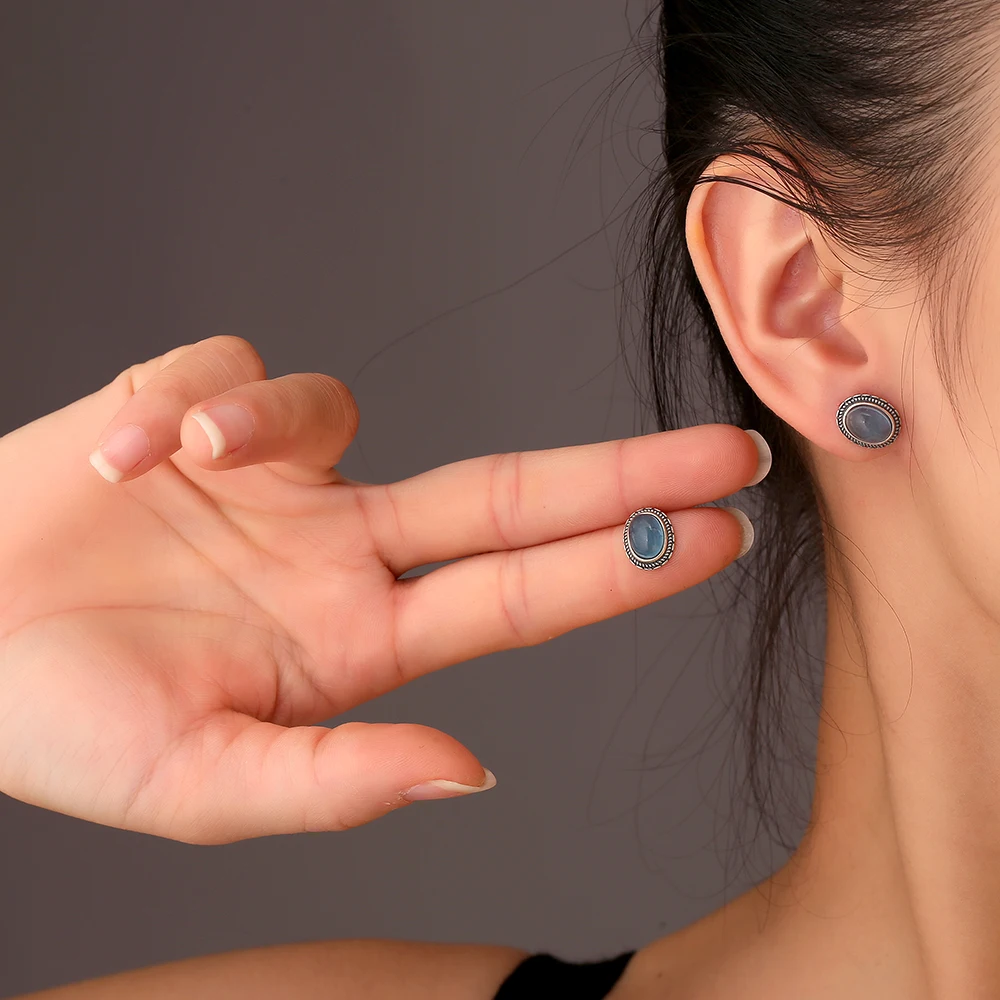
[764,458]
[747,526]
[121,453]
[441,788]
[229,427]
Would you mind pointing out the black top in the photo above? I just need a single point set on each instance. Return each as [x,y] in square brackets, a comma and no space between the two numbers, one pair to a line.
[544,975]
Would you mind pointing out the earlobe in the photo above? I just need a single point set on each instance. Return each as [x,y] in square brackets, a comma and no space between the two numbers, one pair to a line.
[779,306]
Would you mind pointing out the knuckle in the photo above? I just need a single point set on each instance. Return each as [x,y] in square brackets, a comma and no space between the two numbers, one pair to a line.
[379,511]
[347,748]
[506,496]
[402,671]
[345,743]
[513,596]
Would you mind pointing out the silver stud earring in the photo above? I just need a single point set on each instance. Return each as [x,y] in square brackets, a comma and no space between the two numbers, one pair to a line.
[649,538]
[868,421]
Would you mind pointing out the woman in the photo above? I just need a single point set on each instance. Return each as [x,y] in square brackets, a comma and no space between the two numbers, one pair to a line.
[826,225]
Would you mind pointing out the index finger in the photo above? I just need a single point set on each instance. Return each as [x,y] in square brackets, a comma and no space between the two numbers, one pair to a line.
[513,500]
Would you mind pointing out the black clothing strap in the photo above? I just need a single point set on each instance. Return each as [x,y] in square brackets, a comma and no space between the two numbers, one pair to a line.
[544,975]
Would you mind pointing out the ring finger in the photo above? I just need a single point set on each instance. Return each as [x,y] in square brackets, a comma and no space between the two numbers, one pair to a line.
[503,600]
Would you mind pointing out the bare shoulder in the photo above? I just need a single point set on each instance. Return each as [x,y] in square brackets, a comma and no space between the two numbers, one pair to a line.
[315,970]
[717,955]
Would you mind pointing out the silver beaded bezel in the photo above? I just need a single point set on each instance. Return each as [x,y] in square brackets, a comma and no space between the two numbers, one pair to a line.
[887,408]
[668,540]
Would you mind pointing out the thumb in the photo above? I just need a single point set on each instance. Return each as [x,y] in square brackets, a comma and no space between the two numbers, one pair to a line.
[256,779]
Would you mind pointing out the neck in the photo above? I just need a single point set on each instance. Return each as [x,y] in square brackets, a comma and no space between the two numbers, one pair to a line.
[900,871]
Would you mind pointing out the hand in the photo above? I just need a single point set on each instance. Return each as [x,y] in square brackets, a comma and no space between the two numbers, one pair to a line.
[170,642]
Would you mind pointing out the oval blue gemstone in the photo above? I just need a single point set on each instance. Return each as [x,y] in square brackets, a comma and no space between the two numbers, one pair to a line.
[869,423]
[646,536]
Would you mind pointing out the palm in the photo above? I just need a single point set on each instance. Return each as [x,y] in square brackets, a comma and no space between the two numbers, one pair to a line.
[181,610]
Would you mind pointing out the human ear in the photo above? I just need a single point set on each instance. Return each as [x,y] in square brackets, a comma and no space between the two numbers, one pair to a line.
[778,295]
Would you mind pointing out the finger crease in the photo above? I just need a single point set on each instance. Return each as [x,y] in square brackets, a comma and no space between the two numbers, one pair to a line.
[512,564]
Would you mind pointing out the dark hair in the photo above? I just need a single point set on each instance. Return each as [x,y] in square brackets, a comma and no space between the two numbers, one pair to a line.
[870,111]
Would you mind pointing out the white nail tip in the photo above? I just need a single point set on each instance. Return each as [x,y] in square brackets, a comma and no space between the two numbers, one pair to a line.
[764,457]
[104,467]
[454,786]
[215,436]
[747,525]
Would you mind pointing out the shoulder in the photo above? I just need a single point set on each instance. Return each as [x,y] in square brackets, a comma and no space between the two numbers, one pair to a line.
[711,952]
[316,970]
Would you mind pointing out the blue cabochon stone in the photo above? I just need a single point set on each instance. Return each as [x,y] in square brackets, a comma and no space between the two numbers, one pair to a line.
[646,536]
[869,423]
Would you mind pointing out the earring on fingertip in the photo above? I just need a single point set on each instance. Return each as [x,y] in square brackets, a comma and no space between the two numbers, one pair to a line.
[649,538]
[868,421]
[649,534]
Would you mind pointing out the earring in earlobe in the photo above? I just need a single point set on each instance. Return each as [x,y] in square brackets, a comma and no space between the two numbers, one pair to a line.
[868,421]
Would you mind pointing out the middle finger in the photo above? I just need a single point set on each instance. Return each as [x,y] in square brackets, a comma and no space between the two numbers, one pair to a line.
[509,501]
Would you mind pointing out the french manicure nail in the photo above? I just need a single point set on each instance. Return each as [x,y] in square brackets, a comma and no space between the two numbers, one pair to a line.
[121,453]
[228,426]
[441,788]
[748,533]
[764,457]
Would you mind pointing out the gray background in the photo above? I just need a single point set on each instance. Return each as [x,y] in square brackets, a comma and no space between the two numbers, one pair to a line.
[444,181]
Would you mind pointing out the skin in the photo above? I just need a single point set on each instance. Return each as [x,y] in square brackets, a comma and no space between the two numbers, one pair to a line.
[895,890]
[894,893]
[170,642]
